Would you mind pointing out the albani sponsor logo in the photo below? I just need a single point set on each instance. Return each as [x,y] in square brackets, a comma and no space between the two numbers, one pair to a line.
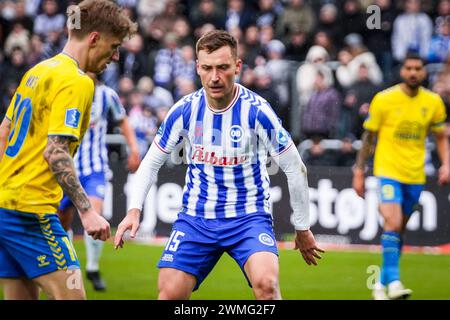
[202,156]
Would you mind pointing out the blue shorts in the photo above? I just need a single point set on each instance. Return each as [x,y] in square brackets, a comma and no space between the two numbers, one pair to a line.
[196,244]
[407,195]
[94,185]
[33,245]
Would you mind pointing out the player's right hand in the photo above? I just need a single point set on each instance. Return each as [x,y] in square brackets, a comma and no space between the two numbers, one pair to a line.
[95,225]
[358,182]
[130,222]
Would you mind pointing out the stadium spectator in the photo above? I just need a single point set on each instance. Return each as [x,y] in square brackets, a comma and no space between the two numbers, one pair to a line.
[265,86]
[18,37]
[163,22]
[50,20]
[323,39]
[320,117]
[206,11]
[355,105]
[268,12]
[16,66]
[329,23]
[401,178]
[379,40]
[201,234]
[353,20]
[297,45]
[22,17]
[347,72]
[278,70]
[156,98]
[412,31]
[440,43]
[306,74]
[166,61]
[237,15]
[133,61]
[297,14]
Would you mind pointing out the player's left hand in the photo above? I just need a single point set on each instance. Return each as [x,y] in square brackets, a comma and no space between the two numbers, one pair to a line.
[134,160]
[305,242]
[444,175]
[130,222]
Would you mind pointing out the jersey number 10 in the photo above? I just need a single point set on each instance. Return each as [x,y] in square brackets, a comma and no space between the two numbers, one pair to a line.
[21,118]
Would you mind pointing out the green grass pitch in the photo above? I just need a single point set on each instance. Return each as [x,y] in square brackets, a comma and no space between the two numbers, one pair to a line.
[131,273]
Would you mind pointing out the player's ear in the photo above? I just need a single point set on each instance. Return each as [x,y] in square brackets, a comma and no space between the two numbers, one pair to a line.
[197,66]
[238,66]
[93,38]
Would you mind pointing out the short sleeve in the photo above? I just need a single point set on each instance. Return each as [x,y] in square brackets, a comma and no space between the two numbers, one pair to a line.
[271,132]
[439,116]
[73,98]
[10,111]
[171,130]
[374,118]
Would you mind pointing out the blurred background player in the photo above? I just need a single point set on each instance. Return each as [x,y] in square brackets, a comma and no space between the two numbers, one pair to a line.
[228,131]
[400,117]
[44,124]
[91,164]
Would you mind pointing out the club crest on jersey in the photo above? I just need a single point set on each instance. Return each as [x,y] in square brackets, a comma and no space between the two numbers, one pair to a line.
[72,118]
[236,133]
[283,137]
[266,239]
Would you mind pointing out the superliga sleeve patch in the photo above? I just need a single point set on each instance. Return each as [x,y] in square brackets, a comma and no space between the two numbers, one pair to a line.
[72,118]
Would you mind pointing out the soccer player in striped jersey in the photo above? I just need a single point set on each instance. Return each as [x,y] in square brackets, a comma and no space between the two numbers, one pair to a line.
[399,121]
[91,164]
[228,131]
[44,125]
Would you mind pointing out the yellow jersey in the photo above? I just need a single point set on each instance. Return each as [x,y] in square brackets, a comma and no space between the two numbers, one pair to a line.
[53,98]
[403,123]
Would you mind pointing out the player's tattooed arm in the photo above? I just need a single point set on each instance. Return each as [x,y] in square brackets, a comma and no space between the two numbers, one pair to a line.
[368,142]
[60,161]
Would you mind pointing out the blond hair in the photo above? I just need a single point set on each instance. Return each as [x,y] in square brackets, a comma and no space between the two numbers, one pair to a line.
[99,15]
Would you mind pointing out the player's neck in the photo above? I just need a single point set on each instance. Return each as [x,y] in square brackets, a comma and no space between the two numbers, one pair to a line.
[77,52]
[221,104]
[411,92]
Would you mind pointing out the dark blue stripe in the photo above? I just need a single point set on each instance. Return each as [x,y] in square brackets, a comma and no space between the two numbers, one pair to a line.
[266,124]
[187,115]
[170,121]
[198,130]
[239,182]
[236,120]
[217,130]
[104,104]
[221,192]
[203,195]
[189,186]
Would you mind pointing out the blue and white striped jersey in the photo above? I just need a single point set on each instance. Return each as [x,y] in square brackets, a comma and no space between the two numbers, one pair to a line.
[92,155]
[226,152]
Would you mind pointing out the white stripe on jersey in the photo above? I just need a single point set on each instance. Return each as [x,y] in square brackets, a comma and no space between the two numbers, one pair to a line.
[226,153]
[92,155]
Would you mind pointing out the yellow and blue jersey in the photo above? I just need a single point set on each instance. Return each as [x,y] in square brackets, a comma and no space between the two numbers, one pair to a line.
[403,123]
[53,98]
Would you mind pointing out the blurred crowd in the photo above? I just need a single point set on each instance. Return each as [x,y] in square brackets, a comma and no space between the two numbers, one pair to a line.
[318,63]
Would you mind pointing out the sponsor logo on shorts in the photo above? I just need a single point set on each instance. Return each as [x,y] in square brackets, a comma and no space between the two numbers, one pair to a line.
[266,239]
[167,257]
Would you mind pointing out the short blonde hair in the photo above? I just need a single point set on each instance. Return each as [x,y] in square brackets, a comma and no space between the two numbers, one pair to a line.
[100,15]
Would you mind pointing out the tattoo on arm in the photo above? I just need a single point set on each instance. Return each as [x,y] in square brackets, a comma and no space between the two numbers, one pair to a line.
[368,141]
[61,163]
